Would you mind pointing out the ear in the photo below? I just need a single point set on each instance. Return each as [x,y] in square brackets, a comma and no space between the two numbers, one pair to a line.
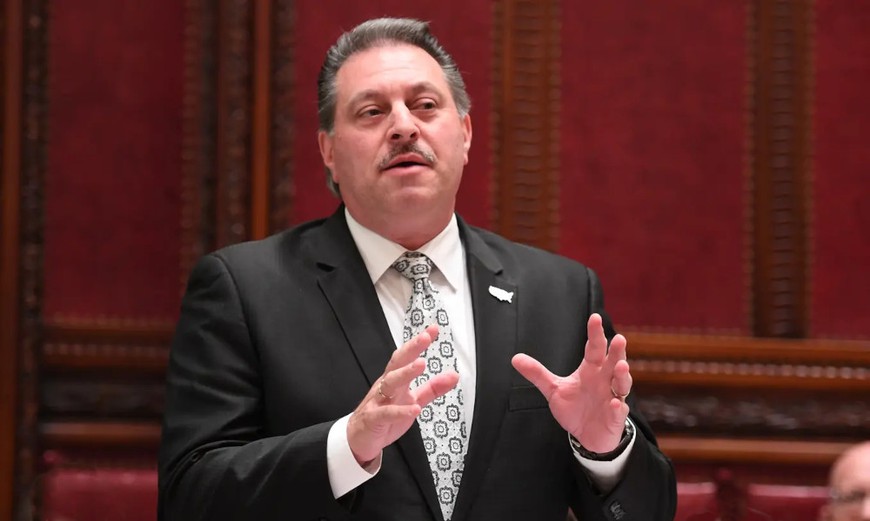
[466,130]
[325,141]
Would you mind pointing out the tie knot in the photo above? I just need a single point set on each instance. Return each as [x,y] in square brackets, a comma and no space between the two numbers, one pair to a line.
[413,265]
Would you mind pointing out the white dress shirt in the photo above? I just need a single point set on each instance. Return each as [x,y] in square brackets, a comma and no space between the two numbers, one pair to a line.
[394,292]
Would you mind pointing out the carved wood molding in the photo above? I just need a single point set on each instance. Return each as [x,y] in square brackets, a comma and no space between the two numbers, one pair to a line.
[199,134]
[738,362]
[780,149]
[11,70]
[283,92]
[33,166]
[526,57]
[234,117]
[751,451]
[792,414]
[100,435]
[102,397]
[129,346]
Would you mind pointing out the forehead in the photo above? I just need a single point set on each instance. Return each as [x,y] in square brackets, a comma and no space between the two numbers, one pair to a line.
[386,67]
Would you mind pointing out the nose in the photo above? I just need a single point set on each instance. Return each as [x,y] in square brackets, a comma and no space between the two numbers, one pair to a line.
[404,125]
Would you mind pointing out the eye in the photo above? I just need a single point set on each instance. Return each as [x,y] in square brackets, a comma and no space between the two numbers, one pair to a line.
[370,112]
[425,104]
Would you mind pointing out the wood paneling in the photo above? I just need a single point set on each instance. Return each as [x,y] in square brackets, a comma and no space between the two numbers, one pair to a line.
[758,451]
[100,435]
[260,124]
[33,166]
[525,111]
[130,347]
[234,117]
[282,122]
[780,39]
[11,29]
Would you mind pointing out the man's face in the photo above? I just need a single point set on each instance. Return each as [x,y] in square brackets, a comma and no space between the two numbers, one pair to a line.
[851,484]
[399,145]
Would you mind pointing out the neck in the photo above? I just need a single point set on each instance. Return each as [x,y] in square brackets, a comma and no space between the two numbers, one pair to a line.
[409,232]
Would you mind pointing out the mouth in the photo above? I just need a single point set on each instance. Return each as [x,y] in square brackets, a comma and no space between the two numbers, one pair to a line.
[406,161]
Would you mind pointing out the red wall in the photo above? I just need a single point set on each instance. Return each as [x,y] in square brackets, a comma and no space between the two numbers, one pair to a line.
[112,187]
[653,180]
[840,224]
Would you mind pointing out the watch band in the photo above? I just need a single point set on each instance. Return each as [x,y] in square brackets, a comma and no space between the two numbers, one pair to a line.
[627,435]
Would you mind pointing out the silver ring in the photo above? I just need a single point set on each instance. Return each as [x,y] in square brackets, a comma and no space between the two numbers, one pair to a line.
[381,390]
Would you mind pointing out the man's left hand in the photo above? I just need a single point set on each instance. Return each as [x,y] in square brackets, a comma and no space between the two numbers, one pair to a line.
[590,402]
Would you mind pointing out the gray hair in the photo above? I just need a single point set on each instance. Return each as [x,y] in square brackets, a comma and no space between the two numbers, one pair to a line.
[375,33]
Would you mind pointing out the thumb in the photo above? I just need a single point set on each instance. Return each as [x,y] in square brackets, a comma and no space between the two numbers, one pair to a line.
[535,372]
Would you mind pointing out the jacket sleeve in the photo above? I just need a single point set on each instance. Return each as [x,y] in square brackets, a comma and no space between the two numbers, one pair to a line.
[647,490]
[217,461]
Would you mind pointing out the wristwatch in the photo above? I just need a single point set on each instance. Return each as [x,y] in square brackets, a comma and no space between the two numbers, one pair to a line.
[627,435]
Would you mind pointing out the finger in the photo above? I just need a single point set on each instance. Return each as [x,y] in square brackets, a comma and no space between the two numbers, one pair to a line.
[596,344]
[535,372]
[621,382]
[436,386]
[398,380]
[617,349]
[412,349]
[618,414]
[388,414]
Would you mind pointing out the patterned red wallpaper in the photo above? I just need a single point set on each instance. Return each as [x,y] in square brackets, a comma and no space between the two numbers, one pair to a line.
[112,222]
[465,31]
[840,224]
[653,182]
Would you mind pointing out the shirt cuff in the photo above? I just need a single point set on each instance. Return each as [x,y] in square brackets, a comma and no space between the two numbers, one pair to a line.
[345,474]
[606,474]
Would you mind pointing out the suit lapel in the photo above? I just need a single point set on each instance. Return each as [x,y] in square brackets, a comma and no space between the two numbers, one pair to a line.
[495,329]
[347,286]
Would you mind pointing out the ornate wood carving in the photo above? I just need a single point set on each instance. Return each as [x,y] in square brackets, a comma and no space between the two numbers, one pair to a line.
[759,414]
[102,397]
[282,128]
[761,364]
[33,161]
[129,346]
[200,131]
[780,36]
[754,451]
[100,435]
[234,96]
[526,121]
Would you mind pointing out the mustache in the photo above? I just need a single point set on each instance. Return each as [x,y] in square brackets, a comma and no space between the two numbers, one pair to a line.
[406,148]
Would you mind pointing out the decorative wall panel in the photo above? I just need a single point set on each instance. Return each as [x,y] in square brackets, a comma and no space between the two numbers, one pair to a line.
[653,159]
[840,219]
[112,237]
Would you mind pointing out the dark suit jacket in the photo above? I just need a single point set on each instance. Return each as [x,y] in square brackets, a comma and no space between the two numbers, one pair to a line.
[279,338]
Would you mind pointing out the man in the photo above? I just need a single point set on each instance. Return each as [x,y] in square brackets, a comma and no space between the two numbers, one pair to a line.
[365,366]
[850,486]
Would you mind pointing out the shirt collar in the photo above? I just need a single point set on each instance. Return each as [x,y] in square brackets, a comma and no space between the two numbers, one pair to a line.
[379,253]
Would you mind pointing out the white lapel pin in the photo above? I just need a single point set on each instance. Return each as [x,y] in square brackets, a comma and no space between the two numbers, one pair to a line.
[502,295]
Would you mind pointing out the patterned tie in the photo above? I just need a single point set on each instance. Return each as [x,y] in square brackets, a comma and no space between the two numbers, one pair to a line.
[442,422]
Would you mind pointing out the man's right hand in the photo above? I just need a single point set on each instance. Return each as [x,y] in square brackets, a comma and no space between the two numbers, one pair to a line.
[390,407]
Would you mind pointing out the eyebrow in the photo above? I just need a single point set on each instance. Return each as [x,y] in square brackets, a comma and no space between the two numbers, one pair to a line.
[370,94]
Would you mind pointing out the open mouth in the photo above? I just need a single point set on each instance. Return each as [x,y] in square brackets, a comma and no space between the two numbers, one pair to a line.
[407,160]
[406,164]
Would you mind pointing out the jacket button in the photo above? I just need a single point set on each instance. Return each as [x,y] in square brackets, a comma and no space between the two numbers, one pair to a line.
[616,510]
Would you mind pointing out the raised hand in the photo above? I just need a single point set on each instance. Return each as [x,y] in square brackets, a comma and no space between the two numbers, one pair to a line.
[390,406]
[590,402]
